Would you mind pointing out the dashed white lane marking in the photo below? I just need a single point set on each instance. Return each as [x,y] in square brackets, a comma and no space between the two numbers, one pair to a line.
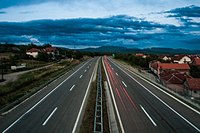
[72,87]
[191,124]
[81,76]
[124,84]
[85,70]
[148,116]
[117,74]
[42,99]
[49,116]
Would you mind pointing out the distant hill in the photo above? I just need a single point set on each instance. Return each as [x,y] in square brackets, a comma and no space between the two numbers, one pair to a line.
[117,49]
[109,49]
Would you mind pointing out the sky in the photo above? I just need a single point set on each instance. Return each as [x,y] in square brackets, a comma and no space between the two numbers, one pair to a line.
[94,23]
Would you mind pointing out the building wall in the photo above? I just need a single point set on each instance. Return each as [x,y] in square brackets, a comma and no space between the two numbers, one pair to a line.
[192,93]
[34,54]
[185,59]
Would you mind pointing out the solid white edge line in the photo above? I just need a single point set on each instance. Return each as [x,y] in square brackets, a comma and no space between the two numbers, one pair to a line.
[41,100]
[116,109]
[148,116]
[84,99]
[72,87]
[160,99]
[49,117]
[196,111]
[81,76]
[124,84]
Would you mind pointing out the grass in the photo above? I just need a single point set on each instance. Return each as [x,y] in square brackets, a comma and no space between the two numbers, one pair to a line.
[30,82]
[88,118]
[31,64]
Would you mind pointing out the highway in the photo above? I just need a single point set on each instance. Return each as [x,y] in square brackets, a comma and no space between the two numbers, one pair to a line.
[56,108]
[142,107]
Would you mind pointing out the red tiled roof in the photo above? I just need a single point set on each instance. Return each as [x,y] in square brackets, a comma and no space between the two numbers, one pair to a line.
[174,78]
[173,66]
[193,83]
[139,54]
[50,49]
[34,50]
[196,61]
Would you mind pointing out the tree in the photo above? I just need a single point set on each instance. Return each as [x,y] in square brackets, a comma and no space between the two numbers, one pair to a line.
[43,57]
[195,71]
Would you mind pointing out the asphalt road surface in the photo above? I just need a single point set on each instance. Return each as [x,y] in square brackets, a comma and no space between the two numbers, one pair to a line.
[56,108]
[143,108]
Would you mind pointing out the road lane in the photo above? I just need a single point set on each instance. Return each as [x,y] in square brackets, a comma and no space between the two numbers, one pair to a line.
[167,120]
[66,102]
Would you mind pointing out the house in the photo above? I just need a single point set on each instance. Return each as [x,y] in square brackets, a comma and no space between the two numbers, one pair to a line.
[33,52]
[173,77]
[140,55]
[153,65]
[158,67]
[51,50]
[165,57]
[181,59]
[192,87]
[196,62]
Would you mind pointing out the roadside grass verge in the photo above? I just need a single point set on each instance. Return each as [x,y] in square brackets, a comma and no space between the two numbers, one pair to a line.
[30,82]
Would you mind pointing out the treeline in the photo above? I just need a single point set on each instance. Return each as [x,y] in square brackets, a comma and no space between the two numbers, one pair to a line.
[142,62]
[136,60]
[195,71]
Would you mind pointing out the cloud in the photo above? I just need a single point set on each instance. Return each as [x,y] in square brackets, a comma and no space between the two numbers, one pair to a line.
[120,30]
[62,9]
[2,12]
[189,11]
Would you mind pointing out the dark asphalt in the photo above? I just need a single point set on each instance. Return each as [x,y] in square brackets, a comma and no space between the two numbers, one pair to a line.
[55,108]
[143,108]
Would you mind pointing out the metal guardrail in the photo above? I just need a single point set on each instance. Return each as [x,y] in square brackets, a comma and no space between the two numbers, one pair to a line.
[98,119]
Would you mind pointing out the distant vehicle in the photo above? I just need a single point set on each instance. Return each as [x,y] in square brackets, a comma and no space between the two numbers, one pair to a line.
[15,68]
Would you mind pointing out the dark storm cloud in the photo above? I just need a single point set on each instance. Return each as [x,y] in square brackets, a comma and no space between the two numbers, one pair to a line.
[9,3]
[117,30]
[189,11]
[2,12]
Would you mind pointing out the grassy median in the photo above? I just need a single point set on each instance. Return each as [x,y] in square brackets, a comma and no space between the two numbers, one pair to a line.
[87,125]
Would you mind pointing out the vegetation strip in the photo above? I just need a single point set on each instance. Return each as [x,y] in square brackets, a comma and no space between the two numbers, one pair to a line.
[88,118]
[29,83]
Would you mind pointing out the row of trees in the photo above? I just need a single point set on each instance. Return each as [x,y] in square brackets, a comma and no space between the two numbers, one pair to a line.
[136,60]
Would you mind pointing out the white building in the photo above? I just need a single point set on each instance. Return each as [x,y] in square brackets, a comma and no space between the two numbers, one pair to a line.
[33,52]
[182,59]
